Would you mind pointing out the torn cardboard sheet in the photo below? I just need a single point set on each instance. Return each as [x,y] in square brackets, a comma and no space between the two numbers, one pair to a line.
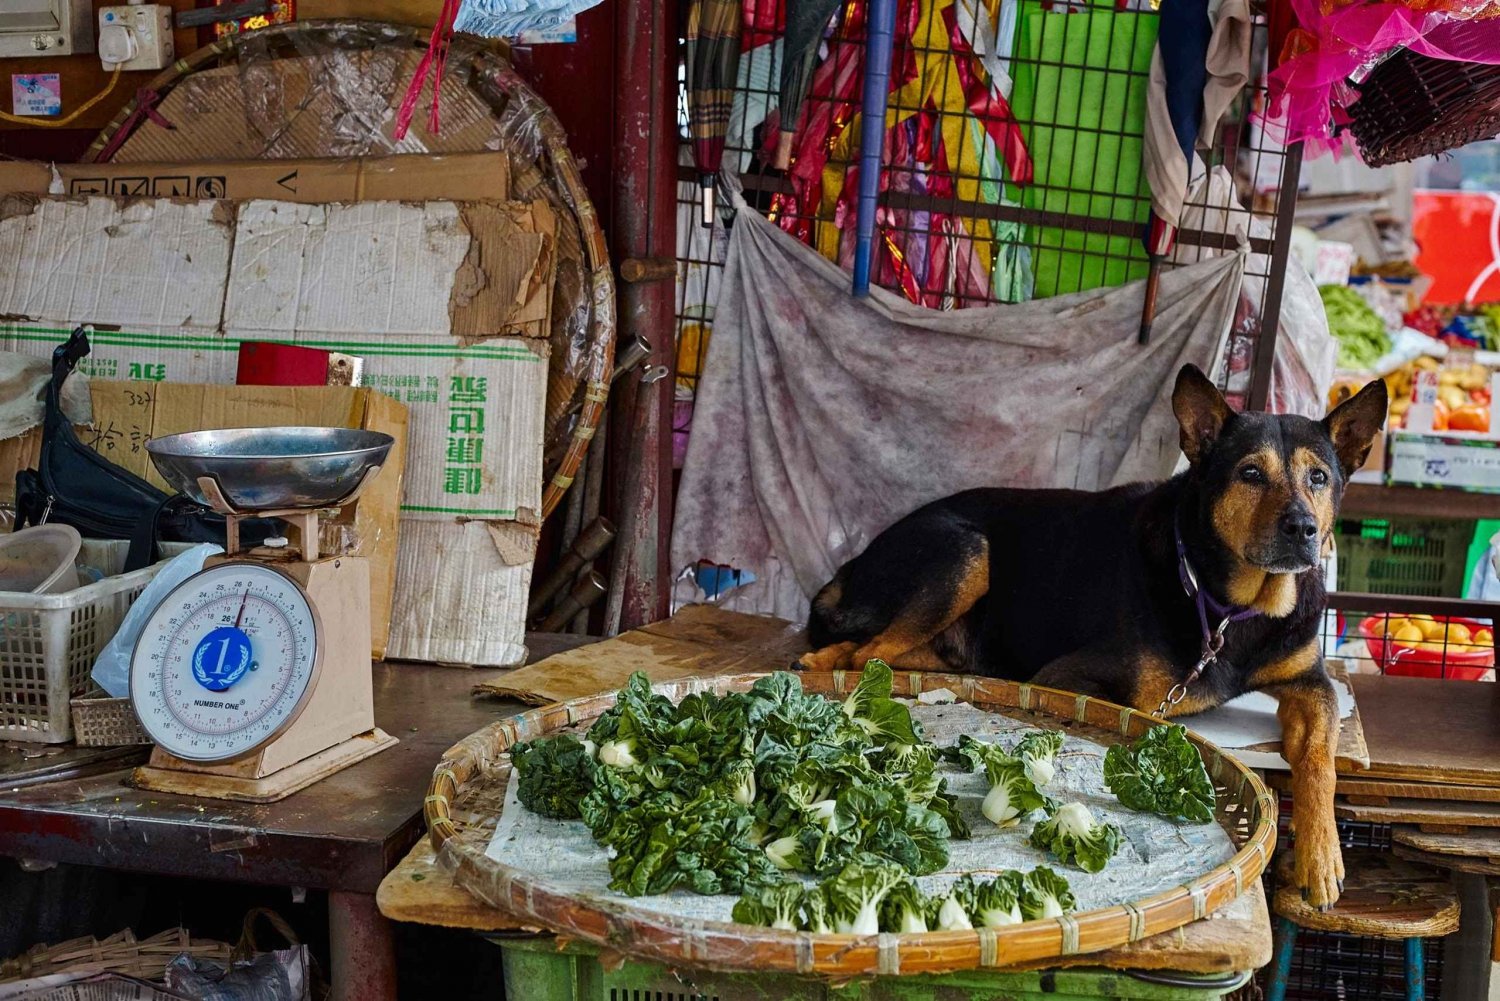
[174,286]
[698,640]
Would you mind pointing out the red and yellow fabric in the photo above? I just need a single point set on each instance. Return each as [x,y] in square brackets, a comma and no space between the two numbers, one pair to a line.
[937,79]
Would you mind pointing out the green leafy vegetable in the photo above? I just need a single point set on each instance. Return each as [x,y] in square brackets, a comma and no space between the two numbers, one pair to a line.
[872,709]
[1037,751]
[950,912]
[1012,794]
[1072,834]
[1360,331]
[998,902]
[702,844]
[868,895]
[723,792]
[1045,894]
[554,775]
[815,913]
[775,906]
[1161,772]
[856,893]
[904,910]
[785,853]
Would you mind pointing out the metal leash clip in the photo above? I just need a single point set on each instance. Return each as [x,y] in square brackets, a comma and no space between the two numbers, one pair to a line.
[1211,647]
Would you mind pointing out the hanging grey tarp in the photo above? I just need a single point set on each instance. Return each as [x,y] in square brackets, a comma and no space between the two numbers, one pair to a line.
[821,419]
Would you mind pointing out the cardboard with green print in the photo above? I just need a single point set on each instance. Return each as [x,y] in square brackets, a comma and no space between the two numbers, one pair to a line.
[446,303]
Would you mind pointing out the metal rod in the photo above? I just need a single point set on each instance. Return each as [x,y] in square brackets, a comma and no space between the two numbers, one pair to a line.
[1412,604]
[1148,306]
[589,589]
[592,541]
[650,269]
[1003,212]
[593,498]
[879,43]
[1270,307]
[645,226]
[572,517]
[629,354]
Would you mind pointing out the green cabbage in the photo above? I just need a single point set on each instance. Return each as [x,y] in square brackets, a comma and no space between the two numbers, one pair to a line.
[1161,772]
[1358,328]
[1072,834]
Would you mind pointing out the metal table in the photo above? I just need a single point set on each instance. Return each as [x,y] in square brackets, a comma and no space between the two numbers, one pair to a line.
[342,834]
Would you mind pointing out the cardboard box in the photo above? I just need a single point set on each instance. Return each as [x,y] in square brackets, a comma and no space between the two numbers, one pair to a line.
[1444,460]
[412,178]
[173,287]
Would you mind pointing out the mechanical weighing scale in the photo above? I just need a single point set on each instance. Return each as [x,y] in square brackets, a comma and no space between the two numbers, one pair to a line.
[252,677]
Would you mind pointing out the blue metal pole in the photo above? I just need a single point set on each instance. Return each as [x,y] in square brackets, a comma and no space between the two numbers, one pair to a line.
[1416,970]
[880,37]
[1281,960]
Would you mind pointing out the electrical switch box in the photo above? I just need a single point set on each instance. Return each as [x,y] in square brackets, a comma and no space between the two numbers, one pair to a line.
[45,28]
[135,37]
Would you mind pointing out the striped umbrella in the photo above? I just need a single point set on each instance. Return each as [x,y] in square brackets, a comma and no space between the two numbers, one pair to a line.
[806,20]
[713,59]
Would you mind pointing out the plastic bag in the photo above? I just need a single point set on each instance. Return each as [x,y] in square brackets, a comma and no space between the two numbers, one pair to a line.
[112,669]
[282,975]
[1303,366]
[509,18]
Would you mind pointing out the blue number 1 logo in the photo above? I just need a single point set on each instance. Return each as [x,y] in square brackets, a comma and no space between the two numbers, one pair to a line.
[221,658]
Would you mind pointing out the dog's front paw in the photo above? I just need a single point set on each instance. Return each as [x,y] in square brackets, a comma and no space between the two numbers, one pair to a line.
[1319,868]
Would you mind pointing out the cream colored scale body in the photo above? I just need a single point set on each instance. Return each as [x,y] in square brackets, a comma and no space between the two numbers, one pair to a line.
[290,705]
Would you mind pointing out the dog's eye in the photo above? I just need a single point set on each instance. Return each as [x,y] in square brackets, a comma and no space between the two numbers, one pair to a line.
[1252,474]
[1318,477]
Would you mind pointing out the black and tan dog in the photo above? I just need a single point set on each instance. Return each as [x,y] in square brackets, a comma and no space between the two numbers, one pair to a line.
[1095,592]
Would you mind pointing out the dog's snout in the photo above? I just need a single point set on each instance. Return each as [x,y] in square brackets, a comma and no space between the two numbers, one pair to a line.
[1298,526]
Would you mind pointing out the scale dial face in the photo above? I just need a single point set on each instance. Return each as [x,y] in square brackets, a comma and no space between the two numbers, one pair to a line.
[225,662]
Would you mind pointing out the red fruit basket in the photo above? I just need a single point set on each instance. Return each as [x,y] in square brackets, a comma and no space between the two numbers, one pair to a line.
[1465,662]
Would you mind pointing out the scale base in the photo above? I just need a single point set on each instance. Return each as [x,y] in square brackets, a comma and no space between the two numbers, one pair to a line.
[267,789]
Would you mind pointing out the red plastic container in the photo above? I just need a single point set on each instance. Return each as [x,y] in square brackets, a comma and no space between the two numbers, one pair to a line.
[1464,663]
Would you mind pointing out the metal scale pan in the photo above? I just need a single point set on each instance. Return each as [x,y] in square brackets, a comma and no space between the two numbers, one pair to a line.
[242,470]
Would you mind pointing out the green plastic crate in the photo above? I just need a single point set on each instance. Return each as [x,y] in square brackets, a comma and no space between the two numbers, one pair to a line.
[536,970]
[1426,558]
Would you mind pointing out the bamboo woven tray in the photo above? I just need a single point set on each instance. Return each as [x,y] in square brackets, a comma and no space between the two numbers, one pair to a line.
[468,788]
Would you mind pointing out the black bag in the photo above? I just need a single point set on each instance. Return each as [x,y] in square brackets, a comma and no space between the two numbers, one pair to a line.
[74,485]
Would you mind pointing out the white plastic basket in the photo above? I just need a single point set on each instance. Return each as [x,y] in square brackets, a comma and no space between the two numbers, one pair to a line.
[49,642]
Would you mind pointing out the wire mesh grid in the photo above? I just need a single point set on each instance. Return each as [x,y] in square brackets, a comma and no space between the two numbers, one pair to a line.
[1013,170]
[1331,965]
[1412,636]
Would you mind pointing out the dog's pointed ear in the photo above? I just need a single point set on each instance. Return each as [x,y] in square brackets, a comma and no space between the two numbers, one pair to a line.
[1200,410]
[1353,424]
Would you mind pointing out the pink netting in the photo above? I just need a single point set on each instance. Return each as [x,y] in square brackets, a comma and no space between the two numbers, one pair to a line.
[1339,39]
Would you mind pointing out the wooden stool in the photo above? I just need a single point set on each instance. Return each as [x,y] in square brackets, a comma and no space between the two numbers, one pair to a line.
[1384,897]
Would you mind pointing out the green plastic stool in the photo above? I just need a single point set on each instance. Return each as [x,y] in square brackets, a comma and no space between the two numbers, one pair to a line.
[1384,897]
[536,969]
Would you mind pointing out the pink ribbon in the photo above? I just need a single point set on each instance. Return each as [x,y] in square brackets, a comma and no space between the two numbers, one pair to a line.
[433,61]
